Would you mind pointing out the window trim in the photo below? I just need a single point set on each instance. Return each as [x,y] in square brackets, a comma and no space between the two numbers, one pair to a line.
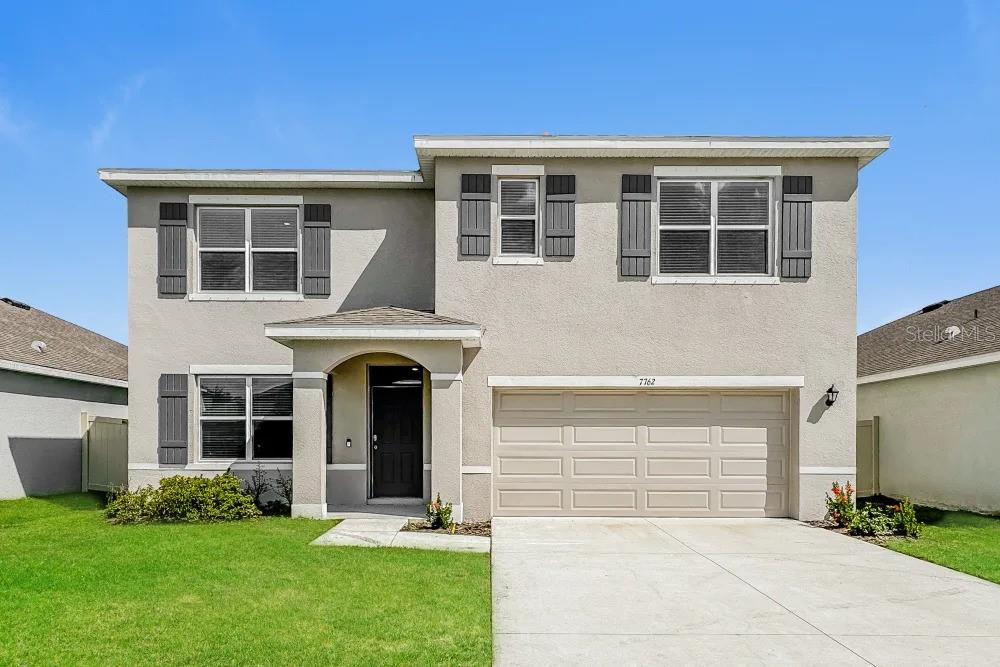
[248,249]
[713,276]
[248,419]
[537,218]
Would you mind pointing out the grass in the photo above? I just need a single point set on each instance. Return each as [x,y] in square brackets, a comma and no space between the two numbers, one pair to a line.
[75,590]
[962,541]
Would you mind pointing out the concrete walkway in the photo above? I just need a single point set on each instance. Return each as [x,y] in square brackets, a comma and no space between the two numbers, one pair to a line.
[727,591]
[370,529]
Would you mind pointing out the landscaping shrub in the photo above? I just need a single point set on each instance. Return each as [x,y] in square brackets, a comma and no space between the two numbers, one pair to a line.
[872,520]
[905,515]
[182,498]
[439,514]
[840,507]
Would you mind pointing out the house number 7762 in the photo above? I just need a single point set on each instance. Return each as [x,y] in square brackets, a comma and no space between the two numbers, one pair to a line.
[647,382]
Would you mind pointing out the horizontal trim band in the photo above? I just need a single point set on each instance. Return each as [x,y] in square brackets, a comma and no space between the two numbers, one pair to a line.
[443,332]
[346,466]
[240,369]
[649,381]
[213,467]
[308,375]
[711,171]
[937,367]
[453,377]
[477,470]
[526,261]
[60,373]
[827,470]
[716,280]
[288,200]
[244,296]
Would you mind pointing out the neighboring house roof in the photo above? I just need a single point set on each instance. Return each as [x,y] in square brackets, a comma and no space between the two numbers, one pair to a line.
[382,316]
[937,337]
[429,147]
[34,341]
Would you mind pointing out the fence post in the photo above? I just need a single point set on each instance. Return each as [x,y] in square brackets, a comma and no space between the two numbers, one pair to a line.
[85,448]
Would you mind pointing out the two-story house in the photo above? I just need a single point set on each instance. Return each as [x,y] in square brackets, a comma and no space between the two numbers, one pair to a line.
[527,325]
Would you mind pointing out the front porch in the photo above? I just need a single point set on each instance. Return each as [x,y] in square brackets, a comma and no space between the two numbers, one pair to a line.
[377,399]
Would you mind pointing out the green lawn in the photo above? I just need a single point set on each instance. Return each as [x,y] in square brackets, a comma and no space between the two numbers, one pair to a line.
[75,590]
[962,541]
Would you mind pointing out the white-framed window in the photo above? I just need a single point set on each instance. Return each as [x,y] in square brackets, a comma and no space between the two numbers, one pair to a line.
[245,418]
[714,227]
[518,217]
[248,249]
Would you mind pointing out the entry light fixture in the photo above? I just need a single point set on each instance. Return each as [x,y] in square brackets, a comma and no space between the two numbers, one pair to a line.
[831,395]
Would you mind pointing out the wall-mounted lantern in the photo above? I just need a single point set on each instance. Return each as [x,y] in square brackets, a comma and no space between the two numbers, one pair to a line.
[831,395]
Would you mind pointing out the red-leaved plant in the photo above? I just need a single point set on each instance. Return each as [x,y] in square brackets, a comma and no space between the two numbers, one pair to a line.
[840,507]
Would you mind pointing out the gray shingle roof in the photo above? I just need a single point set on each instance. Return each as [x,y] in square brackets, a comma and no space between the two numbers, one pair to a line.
[382,316]
[68,347]
[924,337]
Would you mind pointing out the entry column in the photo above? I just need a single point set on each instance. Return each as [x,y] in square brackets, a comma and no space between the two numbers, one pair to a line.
[446,439]
[309,444]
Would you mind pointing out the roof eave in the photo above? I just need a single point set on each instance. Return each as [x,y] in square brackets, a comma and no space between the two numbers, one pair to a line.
[48,371]
[122,178]
[469,336]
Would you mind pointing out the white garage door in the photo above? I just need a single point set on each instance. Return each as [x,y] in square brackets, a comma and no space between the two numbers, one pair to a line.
[640,453]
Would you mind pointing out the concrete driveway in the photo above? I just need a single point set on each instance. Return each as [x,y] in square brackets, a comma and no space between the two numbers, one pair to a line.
[727,591]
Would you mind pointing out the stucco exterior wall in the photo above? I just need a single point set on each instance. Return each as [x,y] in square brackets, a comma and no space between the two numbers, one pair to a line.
[40,430]
[381,253]
[938,437]
[579,317]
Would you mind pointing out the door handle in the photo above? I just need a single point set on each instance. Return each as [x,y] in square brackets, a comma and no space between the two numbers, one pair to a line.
[374,446]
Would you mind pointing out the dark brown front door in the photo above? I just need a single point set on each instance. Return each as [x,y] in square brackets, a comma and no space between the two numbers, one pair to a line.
[397,432]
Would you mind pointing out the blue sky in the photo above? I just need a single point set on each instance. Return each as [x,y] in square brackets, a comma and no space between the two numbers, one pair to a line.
[229,84]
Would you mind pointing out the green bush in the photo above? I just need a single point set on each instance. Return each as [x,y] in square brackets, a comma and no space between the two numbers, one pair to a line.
[905,515]
[182,498]
[840,507]
[439,514]
[873,520]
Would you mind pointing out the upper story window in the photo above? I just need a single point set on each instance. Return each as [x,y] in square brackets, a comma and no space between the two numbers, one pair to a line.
[518,217]
[714,227]
[245,418]
[247,249]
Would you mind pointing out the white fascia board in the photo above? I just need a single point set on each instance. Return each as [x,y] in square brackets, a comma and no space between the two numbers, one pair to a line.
[647,143]
[288,200]
[518,170]
[374,333]
[649,381]
[240,369]
[60,373]
[711,171]
[937,367]
[121,179]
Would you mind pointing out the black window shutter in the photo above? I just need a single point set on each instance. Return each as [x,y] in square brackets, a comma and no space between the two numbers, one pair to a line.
[171,251]
[796,226]
[173,430]
[560,216]
[474,216]
[316,221]
[634,224]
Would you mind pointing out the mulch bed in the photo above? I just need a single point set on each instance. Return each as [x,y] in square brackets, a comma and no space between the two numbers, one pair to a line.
[479,528]
[880,540]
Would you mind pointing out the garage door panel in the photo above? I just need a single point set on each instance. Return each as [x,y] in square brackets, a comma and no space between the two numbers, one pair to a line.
[531,435]
[604,467]
[762,404]
[605,435]
[530,466]
[531,402]
[690,436]
[676,403]
[667,467]
[660,457]
[615,500]
[613,402]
